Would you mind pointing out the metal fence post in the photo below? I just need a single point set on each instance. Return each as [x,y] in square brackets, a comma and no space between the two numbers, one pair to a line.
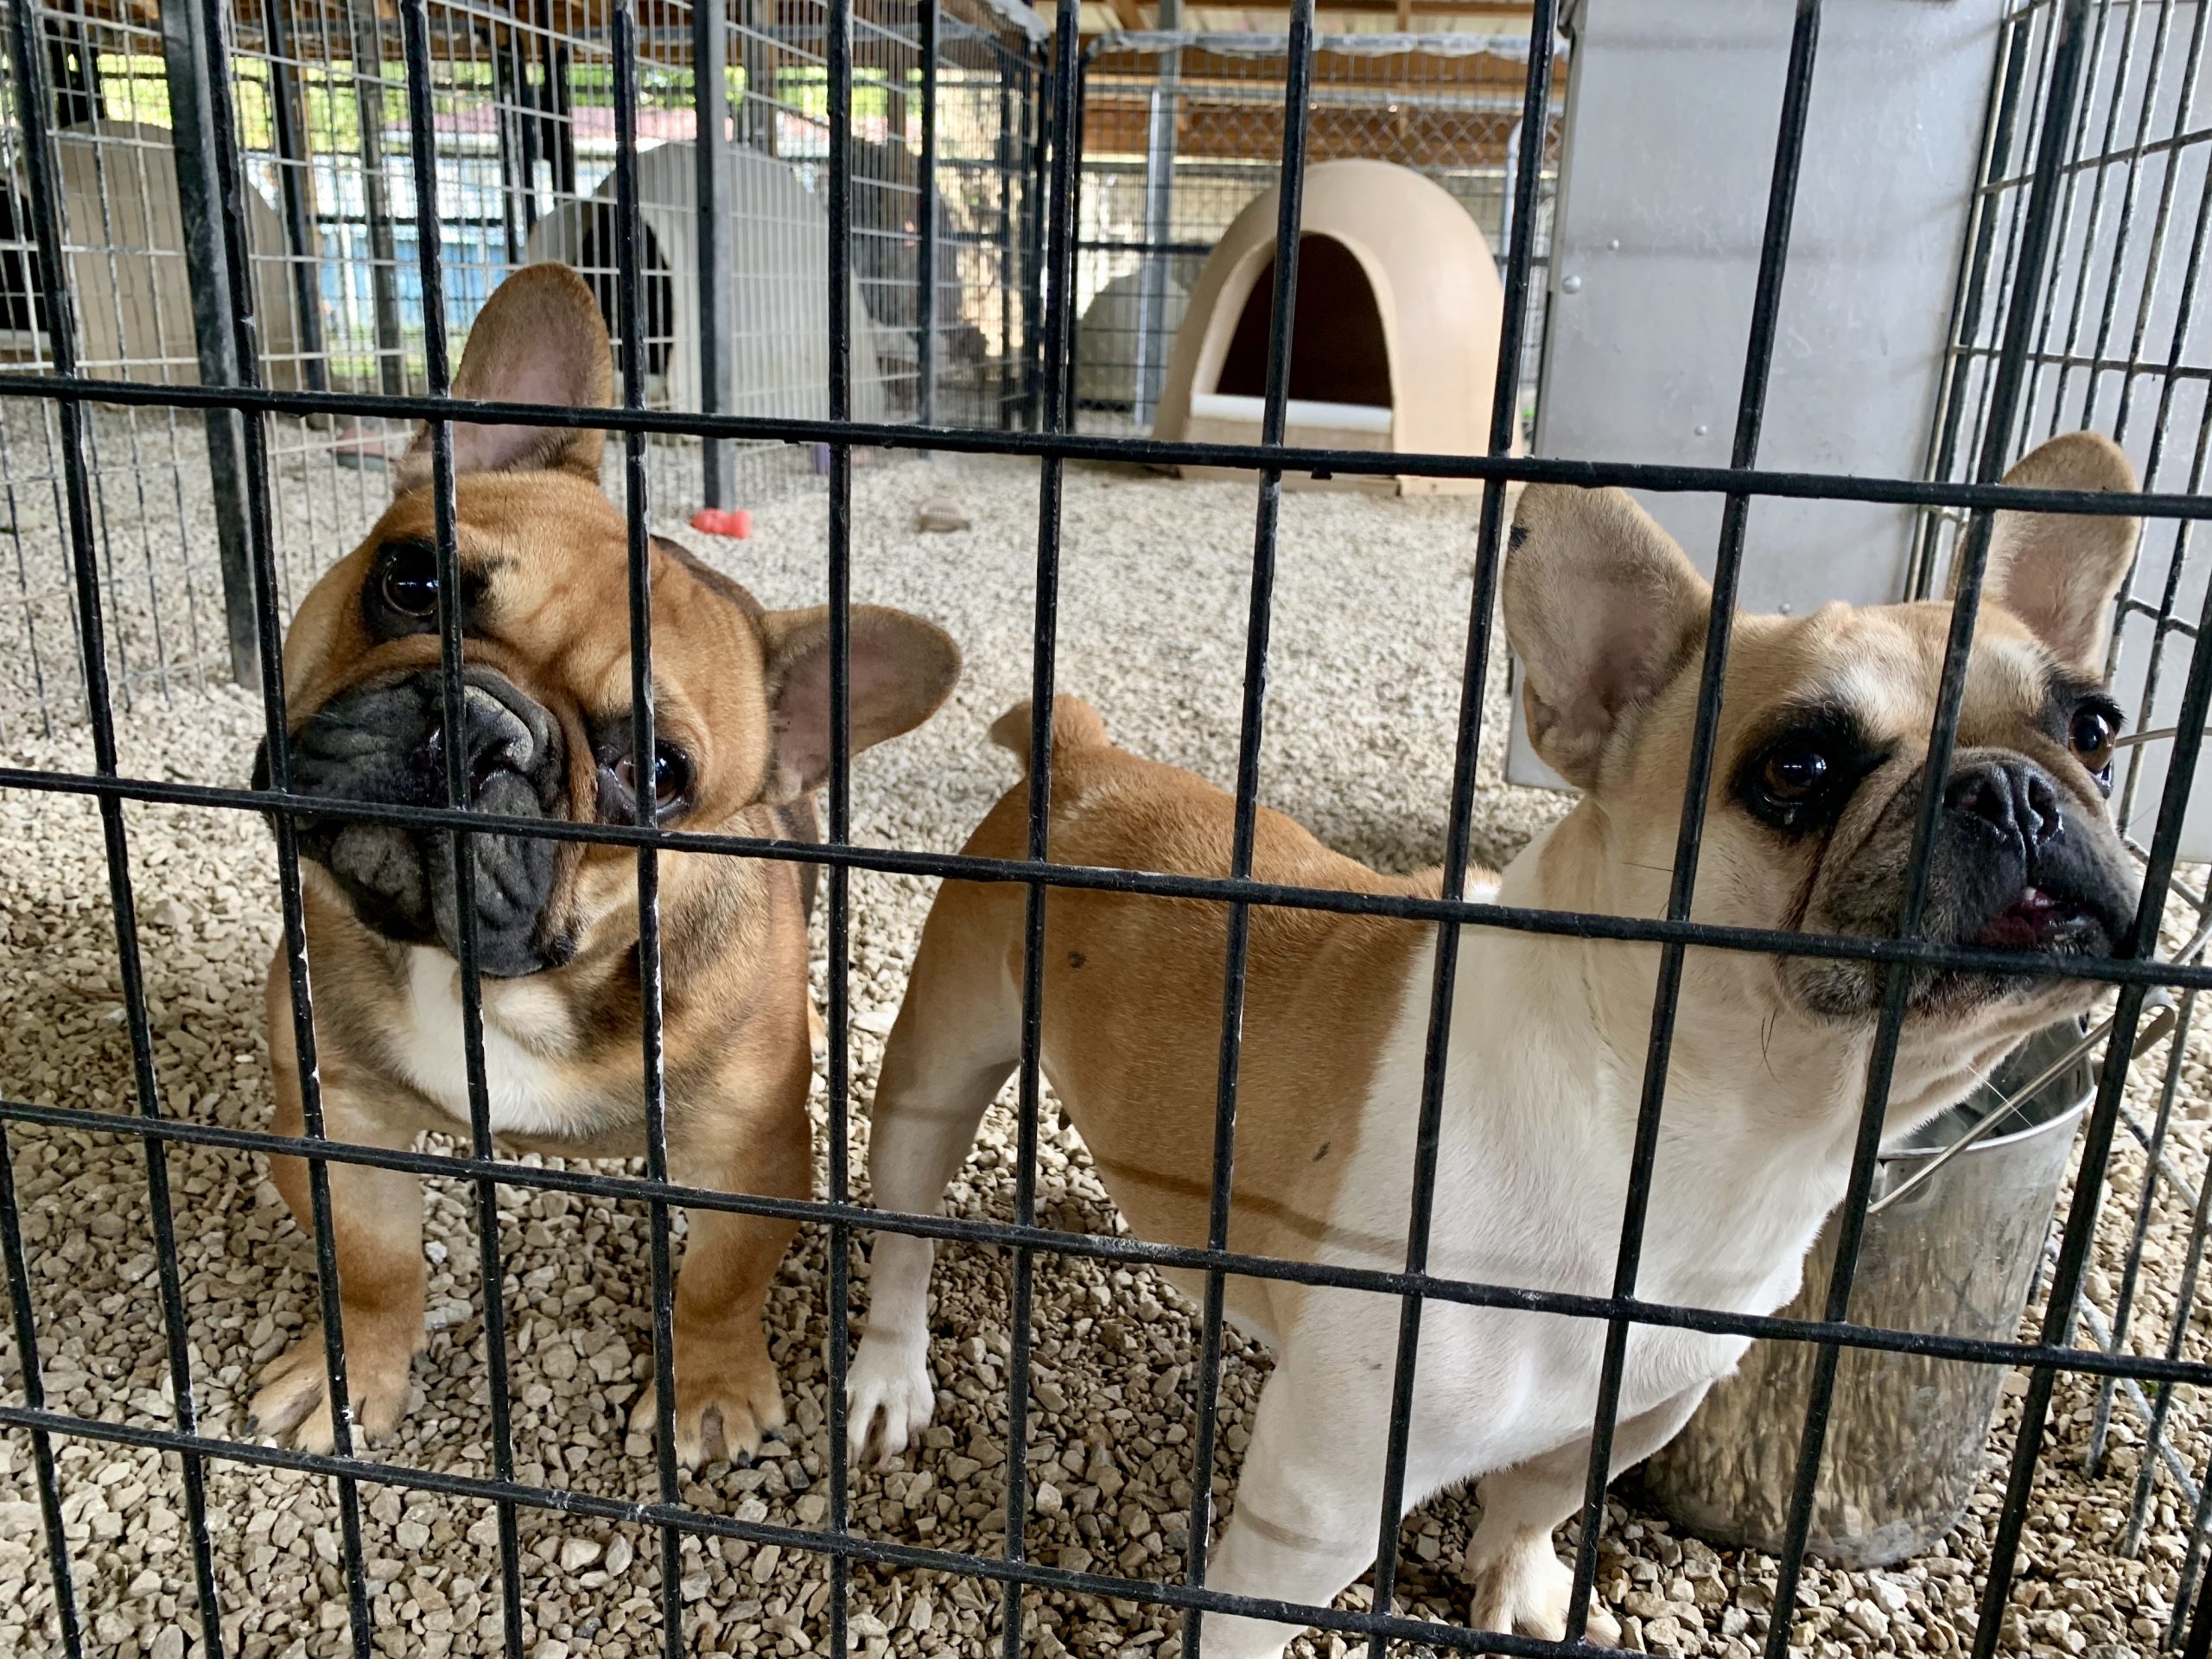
[297,186]
[376,198]
[710,101]
[925,251]
[184,48]
[1159,219]
[1008,238]
[508,88]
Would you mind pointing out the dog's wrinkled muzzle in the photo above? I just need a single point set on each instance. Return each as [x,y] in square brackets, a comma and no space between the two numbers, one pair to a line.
[2022,873]
[2018,862]
[387,743]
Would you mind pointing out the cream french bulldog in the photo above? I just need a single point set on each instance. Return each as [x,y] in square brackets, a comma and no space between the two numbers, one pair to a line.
[1820,756]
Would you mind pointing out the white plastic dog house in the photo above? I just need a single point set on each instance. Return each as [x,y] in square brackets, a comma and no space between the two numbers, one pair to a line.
[1394,345]
[778,303]
[125,240]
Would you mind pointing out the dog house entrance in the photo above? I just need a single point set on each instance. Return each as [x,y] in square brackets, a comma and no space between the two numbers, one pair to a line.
[1338,353]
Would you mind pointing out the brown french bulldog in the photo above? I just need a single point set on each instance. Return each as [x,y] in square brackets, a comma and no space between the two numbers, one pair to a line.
[742,729]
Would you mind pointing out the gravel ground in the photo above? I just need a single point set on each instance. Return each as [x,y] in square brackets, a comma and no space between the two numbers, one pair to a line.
[1371,609]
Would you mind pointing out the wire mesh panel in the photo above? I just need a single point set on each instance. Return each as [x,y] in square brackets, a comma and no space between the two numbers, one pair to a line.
[464,1518]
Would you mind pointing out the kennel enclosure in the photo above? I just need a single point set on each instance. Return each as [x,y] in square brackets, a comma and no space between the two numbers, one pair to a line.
[2053,153]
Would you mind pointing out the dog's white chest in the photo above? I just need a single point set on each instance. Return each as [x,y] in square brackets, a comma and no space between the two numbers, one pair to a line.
[527,1035]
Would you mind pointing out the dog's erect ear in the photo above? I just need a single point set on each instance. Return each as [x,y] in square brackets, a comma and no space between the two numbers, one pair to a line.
[539,340]
[2058,572]
[901,669]
[1601,608]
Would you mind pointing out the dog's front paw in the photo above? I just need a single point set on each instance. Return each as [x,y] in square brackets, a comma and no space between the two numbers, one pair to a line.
[1527,1590]
[726,1398]
[888,1387]
[293,1403]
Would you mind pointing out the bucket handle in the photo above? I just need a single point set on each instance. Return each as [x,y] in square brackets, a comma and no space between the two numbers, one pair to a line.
[2158,1027]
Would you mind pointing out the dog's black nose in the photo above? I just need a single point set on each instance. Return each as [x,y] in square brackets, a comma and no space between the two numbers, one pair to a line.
[496,739]
[2013,798]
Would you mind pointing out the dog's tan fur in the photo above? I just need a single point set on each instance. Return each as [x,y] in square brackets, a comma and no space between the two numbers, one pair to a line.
[742,690]
[1117,965]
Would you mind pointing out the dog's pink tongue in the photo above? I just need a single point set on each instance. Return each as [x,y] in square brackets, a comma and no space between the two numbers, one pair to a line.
[2023,924]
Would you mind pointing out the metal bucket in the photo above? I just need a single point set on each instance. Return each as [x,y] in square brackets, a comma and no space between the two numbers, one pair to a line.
[1954,1255]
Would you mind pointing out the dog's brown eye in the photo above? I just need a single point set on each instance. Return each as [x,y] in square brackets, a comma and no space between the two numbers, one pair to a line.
[2090,736]
[1794,772]
[672,774]
[411,580]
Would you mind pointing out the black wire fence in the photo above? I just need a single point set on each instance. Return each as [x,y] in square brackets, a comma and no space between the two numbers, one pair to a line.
[2006,350]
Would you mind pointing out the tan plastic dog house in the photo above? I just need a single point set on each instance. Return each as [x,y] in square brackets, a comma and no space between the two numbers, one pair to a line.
[1394,346]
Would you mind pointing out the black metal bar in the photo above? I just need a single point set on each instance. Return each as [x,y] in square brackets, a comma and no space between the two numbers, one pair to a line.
[61,324]
[1044,106]
[31,100]
[2096,1149]
[2155,1166]
[376,194]
[926,249]
[508,90]
[1965,321]
[261,541]
[2130,190]
[297,185]
[1059,323]
[560,110]
[838,51]
[1290,198]
[2167,186]
[1689,836]
[630,317]
[24,1314]
[1474,671]
[184,49]
[851,1547]
[1131,1251]
[1008,238]
[1071,373]
[414,25]
[2161,634]
[1850,1217]
[2090,239]
[527,47]
[1666,479]
[716,254]
[1587,925]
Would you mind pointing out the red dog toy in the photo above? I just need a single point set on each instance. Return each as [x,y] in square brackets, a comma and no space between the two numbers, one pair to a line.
[723,521]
